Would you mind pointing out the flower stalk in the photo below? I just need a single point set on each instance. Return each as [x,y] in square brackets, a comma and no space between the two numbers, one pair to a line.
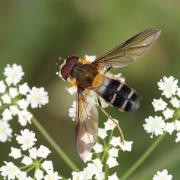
[56,147]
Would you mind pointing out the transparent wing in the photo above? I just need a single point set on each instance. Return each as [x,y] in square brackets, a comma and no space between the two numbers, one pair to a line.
[130,50]
[86,125]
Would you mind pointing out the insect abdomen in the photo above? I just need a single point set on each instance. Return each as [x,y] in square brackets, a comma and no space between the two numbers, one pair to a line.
[119,95]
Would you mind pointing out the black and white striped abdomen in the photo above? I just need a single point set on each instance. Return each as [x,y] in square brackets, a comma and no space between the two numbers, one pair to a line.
[119,95]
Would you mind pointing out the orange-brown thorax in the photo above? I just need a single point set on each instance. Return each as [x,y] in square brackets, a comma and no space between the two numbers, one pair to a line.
[86,75]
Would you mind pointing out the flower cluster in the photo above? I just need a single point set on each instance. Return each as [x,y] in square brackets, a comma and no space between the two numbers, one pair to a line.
[169,107]
[15,100]
[104,154]
[32,160]
[162,175]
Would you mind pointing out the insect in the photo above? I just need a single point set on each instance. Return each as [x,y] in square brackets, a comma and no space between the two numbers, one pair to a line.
[89,76]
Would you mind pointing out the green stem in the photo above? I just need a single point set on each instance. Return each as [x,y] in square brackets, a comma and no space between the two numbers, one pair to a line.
[143,157]
[56,147]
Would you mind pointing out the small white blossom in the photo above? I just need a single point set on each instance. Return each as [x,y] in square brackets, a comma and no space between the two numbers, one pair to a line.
[5,131]
[52,176]
[162,175]
[2,87]
[26,139]
[102,133]
[14,110]
[33,153]
[126,146]
[9,170]
[15,153]
[22,176]
[23,104]
[13,74]
[98,148]
[169,127]
[177,137]
[159,104]
[6,99]
[72,111]
[109,124]
[113,152]
[24,89]
[112,162]
[77,176]
[115,141]
[177,125]
[24,117]
[86,156]
[39,174]
[47,165]
[43,152]
[175,102]
[178,92]
[113,177]
[13,92]
[168,113]
[168,86]
[7,115]
[37,97]
[27,160]
[154,125]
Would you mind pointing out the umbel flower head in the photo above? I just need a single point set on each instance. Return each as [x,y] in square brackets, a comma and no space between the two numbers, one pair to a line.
[16,98]
[168,109]
[32,160]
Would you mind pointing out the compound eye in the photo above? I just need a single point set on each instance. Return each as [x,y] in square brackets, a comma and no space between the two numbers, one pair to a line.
[68,67]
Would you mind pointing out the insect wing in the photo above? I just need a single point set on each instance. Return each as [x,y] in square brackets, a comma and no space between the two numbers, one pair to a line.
[130,50]
[86,125]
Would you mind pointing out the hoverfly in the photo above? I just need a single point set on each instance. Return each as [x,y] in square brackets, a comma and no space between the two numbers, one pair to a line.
[88,76]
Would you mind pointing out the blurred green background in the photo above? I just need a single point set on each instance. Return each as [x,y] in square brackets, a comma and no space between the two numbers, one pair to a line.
[35,33]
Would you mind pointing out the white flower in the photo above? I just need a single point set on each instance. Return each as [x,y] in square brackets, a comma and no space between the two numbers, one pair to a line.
[7,115]
[33,153]
[72,111]
[86,156]
[6,99]
[24,117]
[52,176]
[178,137]
[178,92]
[13,92]
[102,133]
[90,58]
[113,177]
[168,113]
[37,97]
[39,174]
[154,125]
[175,102]
[22,176]
[47,165]
[98,148]
[177,125]
[115,141]
[43,152]
[5,131]
[23,104]
[24,89]
[96,166]
[112,162]
[9,170]
[162,175]
[27,160]
[168,86]
[14,110]
[169,127]
[126,146]
[15,153]
[159,104]
[113,152]
[72,90]
[13,74]
[2,87]
[109,124]
[26,139]
[77,176]
[100,176]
